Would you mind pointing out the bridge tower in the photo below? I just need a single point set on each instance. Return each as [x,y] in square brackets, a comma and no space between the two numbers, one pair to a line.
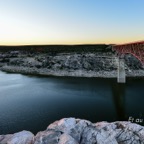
[121,76]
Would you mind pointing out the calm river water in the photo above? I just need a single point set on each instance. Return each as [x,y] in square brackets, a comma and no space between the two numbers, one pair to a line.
[32,102]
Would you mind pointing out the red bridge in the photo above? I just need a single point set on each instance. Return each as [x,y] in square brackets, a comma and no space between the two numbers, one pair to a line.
[135,48]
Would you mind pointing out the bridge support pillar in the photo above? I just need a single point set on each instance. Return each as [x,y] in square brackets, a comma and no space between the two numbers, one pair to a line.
[121,77]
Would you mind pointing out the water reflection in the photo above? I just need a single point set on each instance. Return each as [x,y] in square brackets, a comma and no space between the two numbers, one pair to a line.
[118,92]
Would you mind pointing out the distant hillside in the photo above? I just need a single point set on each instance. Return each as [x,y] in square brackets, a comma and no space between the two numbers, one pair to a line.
[58,48]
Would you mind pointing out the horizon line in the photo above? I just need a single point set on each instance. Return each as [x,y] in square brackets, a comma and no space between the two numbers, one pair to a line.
[71,44]
[56,44]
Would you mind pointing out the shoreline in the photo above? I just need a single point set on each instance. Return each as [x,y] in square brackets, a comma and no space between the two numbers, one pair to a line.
[70,73]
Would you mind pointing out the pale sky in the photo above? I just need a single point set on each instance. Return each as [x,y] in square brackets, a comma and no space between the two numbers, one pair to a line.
[71,21]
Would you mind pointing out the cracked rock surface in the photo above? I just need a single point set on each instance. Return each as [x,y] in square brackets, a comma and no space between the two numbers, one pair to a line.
[97,64]
[77,131]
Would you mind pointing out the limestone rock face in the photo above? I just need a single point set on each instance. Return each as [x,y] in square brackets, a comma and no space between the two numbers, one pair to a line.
[5,138]
[24,137]
[77,131]
[97,64]
[67,139]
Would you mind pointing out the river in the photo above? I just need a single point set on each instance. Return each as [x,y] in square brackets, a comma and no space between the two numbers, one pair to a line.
[33,102]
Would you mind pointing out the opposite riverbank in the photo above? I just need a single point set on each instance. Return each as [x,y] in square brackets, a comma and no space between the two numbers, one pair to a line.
[96,64]
[68,64]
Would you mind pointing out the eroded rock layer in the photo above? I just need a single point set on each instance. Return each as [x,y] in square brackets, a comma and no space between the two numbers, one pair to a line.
[96,64]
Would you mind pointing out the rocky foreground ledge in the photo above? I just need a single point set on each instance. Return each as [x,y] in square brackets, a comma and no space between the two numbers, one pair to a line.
[77,131]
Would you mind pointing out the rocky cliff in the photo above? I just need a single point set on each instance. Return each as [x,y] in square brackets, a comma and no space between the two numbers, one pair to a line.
[96,64]
[77,131]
